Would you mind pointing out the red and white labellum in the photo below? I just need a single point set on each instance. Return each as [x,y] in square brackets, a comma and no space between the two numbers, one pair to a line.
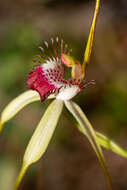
[48,77]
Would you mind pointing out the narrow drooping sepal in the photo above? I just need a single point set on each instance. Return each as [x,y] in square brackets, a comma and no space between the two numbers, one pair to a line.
[107,143]
[86,127]
[16,105]
[40,138]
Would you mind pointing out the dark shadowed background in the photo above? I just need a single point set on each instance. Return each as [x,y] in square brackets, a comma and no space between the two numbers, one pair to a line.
[70,162]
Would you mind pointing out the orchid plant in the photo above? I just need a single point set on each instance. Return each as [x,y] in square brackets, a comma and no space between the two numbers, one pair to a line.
[47,80]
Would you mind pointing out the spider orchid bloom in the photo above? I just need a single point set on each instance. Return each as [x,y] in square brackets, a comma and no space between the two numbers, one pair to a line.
[48,80]
[48,77]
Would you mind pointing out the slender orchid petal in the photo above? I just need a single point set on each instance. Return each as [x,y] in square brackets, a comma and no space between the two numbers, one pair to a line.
[111,145]
[89,45]
[17,104]
[107,143]
[41,137]
[91,135]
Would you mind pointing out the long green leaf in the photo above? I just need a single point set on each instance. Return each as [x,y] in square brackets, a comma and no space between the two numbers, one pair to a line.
[89,45]
[91,135]
[17,104]
[41,137]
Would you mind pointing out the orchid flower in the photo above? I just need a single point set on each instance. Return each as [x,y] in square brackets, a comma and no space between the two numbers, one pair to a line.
[48,80]
[48,77]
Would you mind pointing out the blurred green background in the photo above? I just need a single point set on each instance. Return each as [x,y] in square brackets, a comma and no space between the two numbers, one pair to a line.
[70,162]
